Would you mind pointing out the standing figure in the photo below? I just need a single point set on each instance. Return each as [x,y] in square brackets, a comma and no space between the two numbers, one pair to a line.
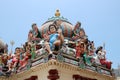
[16,58]
[4,58]
[88,55]
[91,48]
[36,33]
[30,36]
[101,55]
[79,49]
[60,28]
[76,31]
[58,24]
[82,34]
[87,58]
[33,54]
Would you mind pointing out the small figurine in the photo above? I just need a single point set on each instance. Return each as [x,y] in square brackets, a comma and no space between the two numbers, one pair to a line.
[4,58]
[76,31]
[32,52]
[79,49]
[36,33]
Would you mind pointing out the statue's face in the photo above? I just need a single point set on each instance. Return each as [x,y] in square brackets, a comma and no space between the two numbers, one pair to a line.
[52,29]
[82,33]
[59,22]
[17,51]
[78,25]
[34,27]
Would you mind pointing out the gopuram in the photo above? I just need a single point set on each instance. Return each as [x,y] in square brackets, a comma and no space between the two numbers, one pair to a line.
[57,50]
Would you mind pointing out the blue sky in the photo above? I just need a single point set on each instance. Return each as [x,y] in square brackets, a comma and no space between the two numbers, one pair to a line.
[99,18]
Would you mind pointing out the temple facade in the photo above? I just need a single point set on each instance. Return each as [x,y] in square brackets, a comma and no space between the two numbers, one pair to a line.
[69,61]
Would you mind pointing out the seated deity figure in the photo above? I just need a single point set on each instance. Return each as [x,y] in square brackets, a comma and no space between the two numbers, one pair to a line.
[59,27]
[54,39]
[93,58]
[82,36]
[36,36]
[76,30]
[58,24]
[15,59]
[101,55]
[26,58]
[89,56]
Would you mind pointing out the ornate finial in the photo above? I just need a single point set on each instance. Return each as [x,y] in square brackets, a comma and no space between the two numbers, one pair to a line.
[57,14]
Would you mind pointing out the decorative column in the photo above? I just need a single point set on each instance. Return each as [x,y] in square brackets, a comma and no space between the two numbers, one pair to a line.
[53,74]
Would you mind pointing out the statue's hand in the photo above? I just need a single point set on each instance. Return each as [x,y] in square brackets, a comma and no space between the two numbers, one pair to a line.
[59,31]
